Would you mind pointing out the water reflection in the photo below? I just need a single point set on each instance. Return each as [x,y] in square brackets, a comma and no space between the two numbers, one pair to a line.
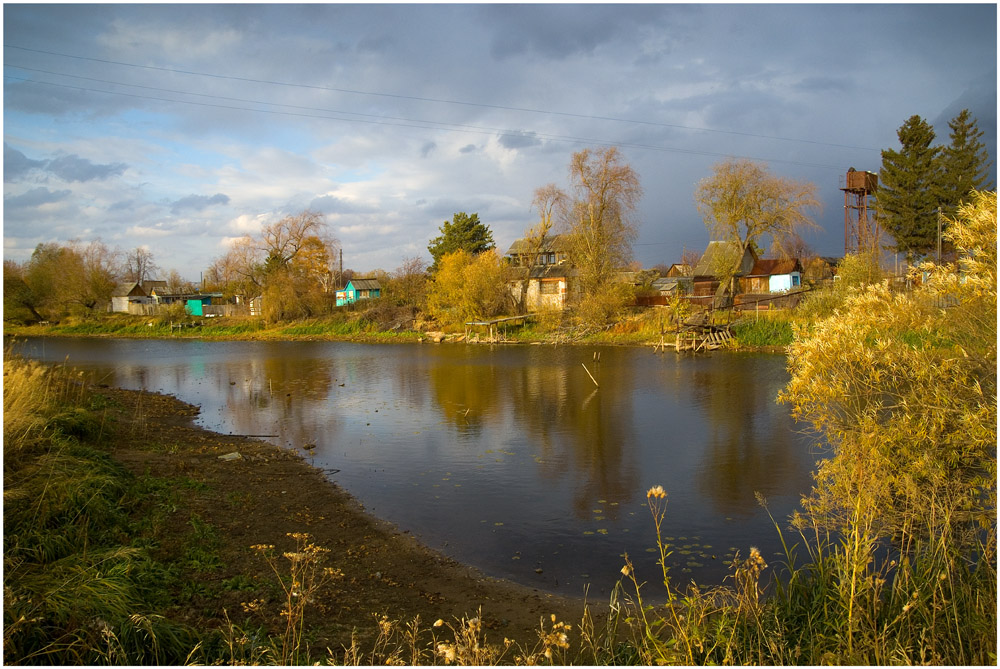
[506,458]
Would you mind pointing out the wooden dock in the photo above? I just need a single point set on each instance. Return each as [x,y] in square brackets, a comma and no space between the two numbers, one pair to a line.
[494,333]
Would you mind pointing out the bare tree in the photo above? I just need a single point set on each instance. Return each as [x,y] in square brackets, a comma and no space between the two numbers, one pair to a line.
[602,224]
[139,265]
[549,200]
[602,216]
[744,204]
[283,240]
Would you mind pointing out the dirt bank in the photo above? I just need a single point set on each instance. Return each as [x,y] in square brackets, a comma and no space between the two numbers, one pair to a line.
[269,492]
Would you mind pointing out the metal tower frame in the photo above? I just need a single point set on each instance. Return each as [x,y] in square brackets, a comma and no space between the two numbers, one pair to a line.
[861,229]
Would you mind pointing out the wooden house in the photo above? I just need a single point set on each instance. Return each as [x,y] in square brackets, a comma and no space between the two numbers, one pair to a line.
[358,289]
[718,257]
[543,273]
[772,276]
[126,294]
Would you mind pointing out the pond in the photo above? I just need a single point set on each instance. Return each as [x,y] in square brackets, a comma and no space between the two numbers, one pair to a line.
[511,459]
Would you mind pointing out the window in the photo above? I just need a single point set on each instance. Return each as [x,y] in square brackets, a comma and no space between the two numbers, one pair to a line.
[548,288]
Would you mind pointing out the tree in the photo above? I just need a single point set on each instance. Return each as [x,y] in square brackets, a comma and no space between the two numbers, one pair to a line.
[964,163]
[139,265]
[469,287]
[463,232]
[602,223]
[606,193]
[744,204]
[76,279]
[19,301]
[290,261]
[910,189]
[177,284]
[907,400]
[407,284]
[282,240]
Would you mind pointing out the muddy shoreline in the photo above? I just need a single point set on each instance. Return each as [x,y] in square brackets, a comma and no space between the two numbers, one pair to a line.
[269,492]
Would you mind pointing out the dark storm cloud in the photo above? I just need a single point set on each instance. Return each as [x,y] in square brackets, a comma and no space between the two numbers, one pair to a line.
[16,164]
[561,31]
[198,202]
[75,168]
[468,148]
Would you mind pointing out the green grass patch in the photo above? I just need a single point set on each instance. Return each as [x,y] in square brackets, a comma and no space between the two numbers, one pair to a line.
[762,332]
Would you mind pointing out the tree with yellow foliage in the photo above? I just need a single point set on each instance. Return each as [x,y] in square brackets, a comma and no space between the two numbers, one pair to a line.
[469,287]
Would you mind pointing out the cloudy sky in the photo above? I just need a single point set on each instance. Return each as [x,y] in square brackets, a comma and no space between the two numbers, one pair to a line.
[182,127]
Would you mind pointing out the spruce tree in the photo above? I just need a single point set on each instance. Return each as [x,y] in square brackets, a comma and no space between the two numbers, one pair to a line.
[463,232]
[964,163]
[910,189]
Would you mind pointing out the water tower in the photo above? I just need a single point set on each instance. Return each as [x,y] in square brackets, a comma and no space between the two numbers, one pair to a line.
[861,231]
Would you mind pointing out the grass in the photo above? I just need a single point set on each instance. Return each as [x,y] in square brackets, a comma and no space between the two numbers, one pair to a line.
[763,332]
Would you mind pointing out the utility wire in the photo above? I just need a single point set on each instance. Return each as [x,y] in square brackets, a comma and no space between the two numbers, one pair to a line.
[439,100]
[411,123]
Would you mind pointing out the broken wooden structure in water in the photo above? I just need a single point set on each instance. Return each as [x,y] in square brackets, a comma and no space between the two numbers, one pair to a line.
[702,338]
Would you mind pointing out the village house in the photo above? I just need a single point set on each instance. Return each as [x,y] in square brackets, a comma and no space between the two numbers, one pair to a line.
[543,271]
[772,276]
[717,257]
[358,289]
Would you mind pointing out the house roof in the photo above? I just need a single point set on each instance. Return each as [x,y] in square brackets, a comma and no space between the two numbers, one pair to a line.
[129,289]
[365,284]
[714,255]
[552,243]
[670,282]
[775,266]
[154,284]
[544,272]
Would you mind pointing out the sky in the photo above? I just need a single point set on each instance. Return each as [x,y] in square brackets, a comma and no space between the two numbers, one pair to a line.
[180,128]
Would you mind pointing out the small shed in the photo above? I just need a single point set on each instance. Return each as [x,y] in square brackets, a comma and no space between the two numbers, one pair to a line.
[772,275]
[358,289]
[125,294]
[673,285]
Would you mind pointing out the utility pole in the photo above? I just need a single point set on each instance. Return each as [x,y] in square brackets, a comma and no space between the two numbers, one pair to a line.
[340,275]
[939,236]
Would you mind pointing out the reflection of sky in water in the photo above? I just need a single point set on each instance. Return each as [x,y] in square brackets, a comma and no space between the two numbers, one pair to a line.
[509,459]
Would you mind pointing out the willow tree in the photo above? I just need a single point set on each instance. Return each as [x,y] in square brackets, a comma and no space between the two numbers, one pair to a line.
[602,224]
[744,204]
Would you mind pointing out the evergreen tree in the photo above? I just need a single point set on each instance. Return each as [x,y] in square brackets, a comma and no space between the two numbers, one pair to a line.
[462,233]
[910,189]
[964,163]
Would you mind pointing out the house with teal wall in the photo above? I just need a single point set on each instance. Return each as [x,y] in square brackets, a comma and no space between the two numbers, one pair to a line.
[358,289]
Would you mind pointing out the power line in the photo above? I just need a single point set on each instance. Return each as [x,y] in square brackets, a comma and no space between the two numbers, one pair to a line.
[410,123]
[440,100]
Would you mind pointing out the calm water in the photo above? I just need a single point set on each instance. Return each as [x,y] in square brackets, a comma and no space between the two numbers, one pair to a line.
[508,459]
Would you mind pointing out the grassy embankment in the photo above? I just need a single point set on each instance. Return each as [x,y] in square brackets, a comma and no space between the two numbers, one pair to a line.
[382,324]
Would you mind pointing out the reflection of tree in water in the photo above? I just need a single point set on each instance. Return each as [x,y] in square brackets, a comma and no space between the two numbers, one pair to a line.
[467,390]
[748,445]
[266,392]
[579,431]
